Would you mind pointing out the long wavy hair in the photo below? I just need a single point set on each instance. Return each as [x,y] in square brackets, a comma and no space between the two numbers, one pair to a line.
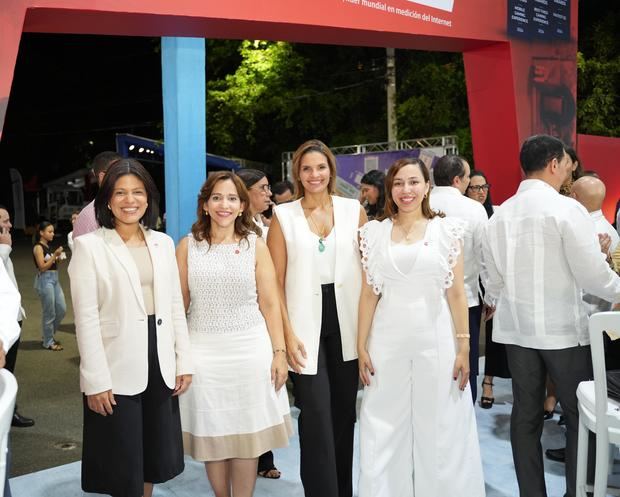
[391,209]
[244,224]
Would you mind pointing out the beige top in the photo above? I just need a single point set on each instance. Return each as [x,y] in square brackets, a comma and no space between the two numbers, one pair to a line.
[142,258]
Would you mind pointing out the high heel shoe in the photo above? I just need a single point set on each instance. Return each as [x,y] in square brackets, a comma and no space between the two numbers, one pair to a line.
[487,402]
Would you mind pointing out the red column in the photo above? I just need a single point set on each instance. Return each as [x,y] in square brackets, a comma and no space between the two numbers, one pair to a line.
[493,116]
[12,16]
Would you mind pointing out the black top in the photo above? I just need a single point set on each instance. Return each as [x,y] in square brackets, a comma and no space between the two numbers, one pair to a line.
[46,252]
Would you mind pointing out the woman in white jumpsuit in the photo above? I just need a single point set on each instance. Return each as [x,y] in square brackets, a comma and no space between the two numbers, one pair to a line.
[418,433]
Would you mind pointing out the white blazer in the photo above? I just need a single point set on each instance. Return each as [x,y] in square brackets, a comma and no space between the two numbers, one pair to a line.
[302,288]
[110,317]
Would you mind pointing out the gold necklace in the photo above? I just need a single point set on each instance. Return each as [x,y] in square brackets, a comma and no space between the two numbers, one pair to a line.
[407,234]
[322,233]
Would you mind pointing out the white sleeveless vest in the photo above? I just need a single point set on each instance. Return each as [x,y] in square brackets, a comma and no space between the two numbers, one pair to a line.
[302,286]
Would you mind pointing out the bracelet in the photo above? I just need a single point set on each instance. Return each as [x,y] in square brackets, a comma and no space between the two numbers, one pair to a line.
[463,335]
[279,350]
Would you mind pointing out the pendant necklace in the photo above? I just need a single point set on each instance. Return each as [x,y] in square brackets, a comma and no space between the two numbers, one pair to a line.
[321,233]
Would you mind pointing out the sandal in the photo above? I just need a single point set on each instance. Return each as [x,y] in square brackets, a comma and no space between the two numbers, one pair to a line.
[56,347]
[272,473]
[486,402]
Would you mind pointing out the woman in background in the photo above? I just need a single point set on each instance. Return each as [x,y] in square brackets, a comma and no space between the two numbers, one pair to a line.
[495,361]
[260,194]
[372,193]
[48,286]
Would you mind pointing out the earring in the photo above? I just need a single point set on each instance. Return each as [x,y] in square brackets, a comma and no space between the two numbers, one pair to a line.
[240,212]
[110,208]
[206,213]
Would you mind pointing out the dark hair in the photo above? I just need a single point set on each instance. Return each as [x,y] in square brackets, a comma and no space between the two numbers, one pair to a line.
[538,150]
[375,178]
[42,225]
[578,172]
[447,168]
[282,187]
[391,209]
[250,176]
[587,172]
[121,168]
[306,148]
[103,160]
[244,224]
[488,203]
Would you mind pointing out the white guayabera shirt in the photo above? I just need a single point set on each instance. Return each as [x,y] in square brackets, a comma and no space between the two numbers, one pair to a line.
[9,307]
[541,253]
[453,203]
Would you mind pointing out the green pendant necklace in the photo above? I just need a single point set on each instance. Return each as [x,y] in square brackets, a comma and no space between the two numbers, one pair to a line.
[320,234]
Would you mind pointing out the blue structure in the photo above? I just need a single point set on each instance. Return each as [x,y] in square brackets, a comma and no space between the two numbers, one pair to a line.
[184,94]
[149,150]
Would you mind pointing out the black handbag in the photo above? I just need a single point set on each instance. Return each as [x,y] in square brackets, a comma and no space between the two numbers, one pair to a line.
[613,384]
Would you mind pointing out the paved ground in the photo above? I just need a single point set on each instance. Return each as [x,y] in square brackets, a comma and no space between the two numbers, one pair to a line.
[48,381]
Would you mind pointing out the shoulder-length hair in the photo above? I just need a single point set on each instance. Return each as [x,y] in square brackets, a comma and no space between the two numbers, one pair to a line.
[488,203]
[244,224]
[306,148]
[391,209]
[117,170]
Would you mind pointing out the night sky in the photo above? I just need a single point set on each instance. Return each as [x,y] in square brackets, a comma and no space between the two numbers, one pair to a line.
[69,97]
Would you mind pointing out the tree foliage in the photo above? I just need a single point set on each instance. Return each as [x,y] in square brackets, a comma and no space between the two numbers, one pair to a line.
[598,87]
[264,98]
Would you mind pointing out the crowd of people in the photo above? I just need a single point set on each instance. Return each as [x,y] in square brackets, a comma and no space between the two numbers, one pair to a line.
[187,349]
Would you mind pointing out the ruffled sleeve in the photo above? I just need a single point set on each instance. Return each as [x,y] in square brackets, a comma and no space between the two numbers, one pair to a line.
[369,246]
[451,234]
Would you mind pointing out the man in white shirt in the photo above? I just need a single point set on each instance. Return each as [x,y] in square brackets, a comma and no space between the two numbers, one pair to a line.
[6,246]
[451,177]
[590,192]
[9,333]
[540,252]
[86,220]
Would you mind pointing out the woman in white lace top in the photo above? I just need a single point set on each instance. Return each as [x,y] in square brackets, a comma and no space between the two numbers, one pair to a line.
[413,346]
[238,407]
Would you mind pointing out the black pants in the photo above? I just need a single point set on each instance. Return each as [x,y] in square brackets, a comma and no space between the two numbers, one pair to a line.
[140,442]
[327,418]
[529,368]
[475,314]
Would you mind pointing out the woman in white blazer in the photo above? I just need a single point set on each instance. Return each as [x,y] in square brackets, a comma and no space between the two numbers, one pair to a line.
[313,243]
[132,337]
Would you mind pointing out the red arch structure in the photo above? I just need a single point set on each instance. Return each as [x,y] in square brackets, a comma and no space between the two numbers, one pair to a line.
[516,86]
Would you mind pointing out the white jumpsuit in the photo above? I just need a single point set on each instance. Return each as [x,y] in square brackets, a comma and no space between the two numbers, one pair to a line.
[418,433]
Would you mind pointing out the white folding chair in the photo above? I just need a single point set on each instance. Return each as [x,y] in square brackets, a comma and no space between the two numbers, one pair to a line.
[8,392]
[597,413]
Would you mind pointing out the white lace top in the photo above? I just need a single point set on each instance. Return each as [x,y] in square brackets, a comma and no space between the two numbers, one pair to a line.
[222,286]
[437,255]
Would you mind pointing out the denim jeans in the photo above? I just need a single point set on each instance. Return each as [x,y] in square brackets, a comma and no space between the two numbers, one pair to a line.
[52,298]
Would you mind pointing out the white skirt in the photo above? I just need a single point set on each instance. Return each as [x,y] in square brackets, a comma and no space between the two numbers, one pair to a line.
[232,409]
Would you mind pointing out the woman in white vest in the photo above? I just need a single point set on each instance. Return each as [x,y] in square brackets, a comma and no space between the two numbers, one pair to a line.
[313,243]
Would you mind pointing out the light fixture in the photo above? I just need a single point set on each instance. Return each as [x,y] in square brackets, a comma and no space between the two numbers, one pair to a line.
[140,150]
[131,147]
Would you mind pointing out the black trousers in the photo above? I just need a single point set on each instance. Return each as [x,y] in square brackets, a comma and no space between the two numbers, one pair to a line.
[327,419]
[529,368]
[139,442]
[475,315]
